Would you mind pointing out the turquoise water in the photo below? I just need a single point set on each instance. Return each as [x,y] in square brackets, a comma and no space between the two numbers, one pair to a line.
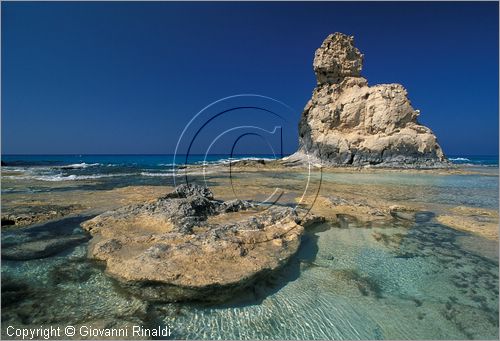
[119,159]
[112,171]
[101,171]
[419,283]
[398,280]
[168,159]
[483,160]
[476,190]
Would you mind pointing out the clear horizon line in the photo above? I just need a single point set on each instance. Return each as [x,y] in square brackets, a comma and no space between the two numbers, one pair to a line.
[87,154]
[197,154]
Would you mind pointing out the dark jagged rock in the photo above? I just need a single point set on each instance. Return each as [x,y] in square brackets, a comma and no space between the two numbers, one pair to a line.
[188,190]
[234,206]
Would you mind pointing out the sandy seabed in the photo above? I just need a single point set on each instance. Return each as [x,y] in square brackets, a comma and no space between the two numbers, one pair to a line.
[403,254]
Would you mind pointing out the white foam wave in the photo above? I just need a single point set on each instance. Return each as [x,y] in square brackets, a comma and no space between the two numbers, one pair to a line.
[459,159]
[156,174]
[79,165]
[61,177]
[178,173]
[229,160]
[77,177]
[14,169]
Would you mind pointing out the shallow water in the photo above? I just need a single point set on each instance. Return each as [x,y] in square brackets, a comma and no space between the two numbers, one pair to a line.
[400,280]
[477,190]
[414,282]
[353,287]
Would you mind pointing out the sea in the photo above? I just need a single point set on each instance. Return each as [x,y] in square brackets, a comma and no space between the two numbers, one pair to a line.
[109,171]
[423,281]
[102,172]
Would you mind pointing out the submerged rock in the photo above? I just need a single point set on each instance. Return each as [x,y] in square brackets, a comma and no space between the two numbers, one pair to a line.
[188,246]
[41,248]
[348,122]
[28,215]
[402,213]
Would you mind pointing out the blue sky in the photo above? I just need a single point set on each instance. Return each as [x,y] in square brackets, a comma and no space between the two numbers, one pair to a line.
[127,77]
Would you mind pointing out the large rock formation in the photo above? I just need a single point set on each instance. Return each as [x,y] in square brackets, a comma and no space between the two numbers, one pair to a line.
[347,122]
[188,246]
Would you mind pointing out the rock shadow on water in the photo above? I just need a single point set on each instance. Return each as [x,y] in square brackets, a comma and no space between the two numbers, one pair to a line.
[43,240]
[28,295]
[271,283]
[64,226]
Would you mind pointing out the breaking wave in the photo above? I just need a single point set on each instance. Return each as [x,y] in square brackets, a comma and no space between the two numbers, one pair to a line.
[61,177]
[78,165]
[459,159]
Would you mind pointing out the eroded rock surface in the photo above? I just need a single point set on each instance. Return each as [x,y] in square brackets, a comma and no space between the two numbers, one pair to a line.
[348,122]
[28,215]
[189,246]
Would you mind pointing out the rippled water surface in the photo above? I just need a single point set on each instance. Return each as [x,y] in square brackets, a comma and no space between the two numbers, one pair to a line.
[418,283]
[397,281]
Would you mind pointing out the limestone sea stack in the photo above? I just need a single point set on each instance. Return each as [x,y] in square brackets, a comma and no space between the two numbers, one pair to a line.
[347,122]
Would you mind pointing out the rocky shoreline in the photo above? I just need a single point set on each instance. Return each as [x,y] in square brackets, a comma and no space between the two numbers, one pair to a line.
[35,208]
[187,245]
[23,210]
[195,244]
